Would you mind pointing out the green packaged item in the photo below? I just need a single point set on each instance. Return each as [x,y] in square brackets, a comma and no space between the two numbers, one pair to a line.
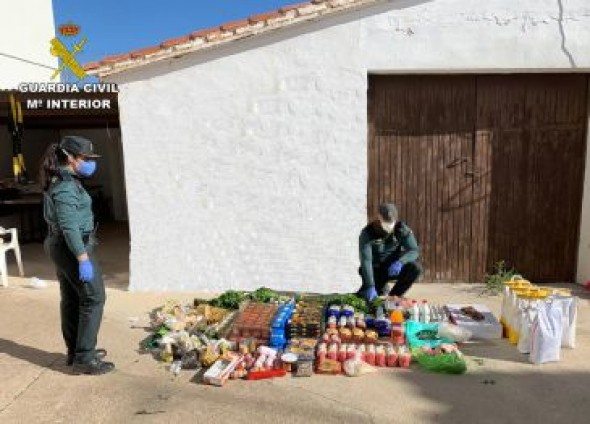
[446,363]
[420,334]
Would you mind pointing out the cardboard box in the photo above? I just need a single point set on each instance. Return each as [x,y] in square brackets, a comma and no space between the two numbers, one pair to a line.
[219,372]
[488,328]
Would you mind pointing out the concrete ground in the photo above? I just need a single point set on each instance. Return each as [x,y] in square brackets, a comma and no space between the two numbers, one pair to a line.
[37,387]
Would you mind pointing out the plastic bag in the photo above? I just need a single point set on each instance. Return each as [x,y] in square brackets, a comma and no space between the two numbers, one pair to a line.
[569,310]
[526,325]
[447,363]
[356,367]
[454,332]
[546,334]
[424,334]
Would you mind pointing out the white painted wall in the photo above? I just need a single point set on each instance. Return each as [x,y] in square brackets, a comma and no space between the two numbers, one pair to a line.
[25,31]
[246,165]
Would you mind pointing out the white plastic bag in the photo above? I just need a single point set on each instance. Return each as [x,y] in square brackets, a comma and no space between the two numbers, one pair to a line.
[526,326]
[453,332]
[356,367]
[569,310]
[546,334]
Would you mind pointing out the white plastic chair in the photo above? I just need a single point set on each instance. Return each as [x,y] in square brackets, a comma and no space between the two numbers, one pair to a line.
[5,247]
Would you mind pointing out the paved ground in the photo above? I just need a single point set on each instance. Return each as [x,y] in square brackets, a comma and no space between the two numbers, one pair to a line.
[36,387]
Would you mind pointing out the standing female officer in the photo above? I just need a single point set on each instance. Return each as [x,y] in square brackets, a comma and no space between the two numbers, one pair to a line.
[67,208]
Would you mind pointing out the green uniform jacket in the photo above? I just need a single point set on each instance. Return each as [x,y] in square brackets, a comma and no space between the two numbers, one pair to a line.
[377,247]
[67,208]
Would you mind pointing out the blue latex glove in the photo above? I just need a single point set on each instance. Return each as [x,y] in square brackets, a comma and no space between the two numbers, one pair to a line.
[370,294]
[86,271]
[395,268]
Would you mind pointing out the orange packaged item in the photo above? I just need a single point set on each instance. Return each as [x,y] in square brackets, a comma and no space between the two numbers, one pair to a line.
[330,367]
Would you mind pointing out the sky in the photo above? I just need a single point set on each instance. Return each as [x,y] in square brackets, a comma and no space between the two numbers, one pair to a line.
[120,26]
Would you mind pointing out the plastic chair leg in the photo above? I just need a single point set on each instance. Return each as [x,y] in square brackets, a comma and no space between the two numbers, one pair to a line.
[19,260]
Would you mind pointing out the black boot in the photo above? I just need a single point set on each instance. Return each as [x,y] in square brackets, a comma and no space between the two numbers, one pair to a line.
[94,367]
[100,353]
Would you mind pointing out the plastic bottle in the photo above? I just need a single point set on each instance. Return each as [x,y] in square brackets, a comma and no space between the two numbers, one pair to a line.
[363,352]
[380,359]
[425,312]
[342,352]
[370,359]
[351,352]
[414,311]
[391,357]
[397,326]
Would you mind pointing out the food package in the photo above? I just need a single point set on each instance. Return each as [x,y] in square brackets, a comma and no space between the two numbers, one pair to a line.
[329,366]
[345,334]
[546,334]
[355,367]
[484,326]
[220,371]
[304,369]
[453,332]
[569,310]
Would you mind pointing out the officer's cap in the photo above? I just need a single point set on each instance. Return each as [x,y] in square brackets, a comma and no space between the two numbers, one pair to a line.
[78,146]
[388,212]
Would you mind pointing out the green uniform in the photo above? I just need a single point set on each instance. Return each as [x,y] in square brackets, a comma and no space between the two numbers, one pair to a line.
[68,211]
[378,250]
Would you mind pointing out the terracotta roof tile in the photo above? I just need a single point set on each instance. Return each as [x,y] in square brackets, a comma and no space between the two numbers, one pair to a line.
[230,31]
[264,17]
[175,41]
[204,33]
[116,58]
[144,52]
[231,26]
[92,65]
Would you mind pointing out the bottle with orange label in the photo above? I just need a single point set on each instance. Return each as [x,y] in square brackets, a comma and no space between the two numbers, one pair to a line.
[397,325]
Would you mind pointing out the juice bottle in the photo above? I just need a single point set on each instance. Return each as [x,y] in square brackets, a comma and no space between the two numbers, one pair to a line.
[371,355]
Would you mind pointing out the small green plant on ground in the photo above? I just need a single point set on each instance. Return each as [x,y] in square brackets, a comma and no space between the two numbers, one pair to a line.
[494,283]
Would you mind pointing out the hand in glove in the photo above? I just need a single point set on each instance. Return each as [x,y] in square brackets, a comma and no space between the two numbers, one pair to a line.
[370,294]
[86,271]
[395,268]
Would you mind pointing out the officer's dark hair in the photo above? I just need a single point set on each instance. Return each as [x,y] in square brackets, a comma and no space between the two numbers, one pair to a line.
[53,158]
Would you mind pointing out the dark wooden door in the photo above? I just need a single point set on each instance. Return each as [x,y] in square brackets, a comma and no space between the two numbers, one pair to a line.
[483,168]
[530,150]
[420,142]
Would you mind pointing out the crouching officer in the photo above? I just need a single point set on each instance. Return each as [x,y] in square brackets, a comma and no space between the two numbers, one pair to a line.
[388,250]
[67,208]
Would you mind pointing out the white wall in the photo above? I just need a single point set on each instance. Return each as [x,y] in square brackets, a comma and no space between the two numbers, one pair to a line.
[26,29]
[247,165]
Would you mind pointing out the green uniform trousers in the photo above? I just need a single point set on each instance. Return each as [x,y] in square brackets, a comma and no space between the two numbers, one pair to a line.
[82,303]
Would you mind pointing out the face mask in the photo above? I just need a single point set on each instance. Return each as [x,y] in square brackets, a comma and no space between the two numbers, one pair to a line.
[86,168]
[387,226]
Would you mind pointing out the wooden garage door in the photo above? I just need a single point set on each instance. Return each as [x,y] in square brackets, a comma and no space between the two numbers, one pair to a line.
[483,168]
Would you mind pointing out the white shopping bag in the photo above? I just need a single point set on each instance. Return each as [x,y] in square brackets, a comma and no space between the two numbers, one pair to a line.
[546,334]
[569,310]
[526,326]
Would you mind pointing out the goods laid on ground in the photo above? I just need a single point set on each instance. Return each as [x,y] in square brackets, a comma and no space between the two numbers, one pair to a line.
[265,334]
[538,320]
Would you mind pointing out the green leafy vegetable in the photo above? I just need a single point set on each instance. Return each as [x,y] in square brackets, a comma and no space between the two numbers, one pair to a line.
[229,300]
[359,305]
[264,295]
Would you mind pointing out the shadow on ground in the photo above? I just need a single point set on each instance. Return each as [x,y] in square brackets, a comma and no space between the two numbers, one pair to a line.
[501,397]
[55,361]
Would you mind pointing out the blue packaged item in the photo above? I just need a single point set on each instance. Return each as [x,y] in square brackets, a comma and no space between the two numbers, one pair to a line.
[420,334]
[334,311]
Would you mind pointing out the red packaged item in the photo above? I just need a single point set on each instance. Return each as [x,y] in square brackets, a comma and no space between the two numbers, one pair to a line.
[380,357]
[370,355]
[350,352]
[332,352]
[404,358]
[267,373]
[363,352]
[391,357]
[342,353]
